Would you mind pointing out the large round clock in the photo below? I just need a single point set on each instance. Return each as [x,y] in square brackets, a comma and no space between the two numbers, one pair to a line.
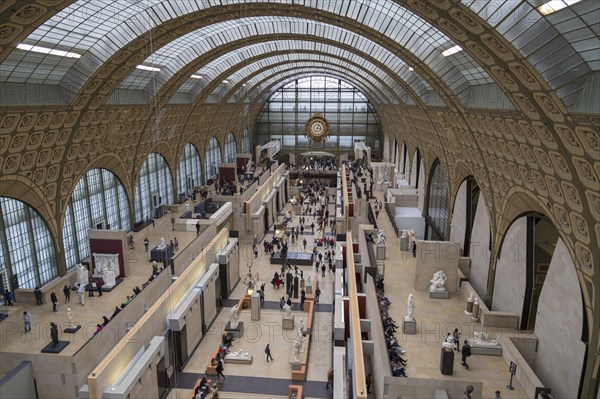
[316,128]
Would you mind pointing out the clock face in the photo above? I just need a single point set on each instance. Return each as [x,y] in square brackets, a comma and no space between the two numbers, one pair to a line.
[317,128]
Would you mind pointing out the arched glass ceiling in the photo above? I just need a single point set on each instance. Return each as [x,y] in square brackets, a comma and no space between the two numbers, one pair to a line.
[98,29]
[211,70]
[266,80]
[562,46]
[357,78]
[184,50]
[317,60]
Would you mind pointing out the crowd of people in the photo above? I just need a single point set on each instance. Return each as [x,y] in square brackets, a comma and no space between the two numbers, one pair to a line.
[395,351]
[314,163]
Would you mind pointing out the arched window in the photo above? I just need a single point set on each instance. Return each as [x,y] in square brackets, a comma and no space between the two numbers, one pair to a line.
[27,256]
[99,200]
[438,200]
[212,159]
[154,187]
[230,148]
[245,141]
[350,114]
[189,171]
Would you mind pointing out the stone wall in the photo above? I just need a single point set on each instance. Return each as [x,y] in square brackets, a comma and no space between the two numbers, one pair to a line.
[479,251]
[509,286]
[559,324]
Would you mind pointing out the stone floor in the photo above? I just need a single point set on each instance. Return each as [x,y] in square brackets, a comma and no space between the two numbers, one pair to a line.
[436,317]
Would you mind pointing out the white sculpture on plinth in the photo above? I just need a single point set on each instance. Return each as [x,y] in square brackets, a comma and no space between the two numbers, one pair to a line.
[410,315]
[233,317]
[438,282]
[238,355]
[107,268]
[483,339]
[449,342]
[162,244]
[70,318]
[82,274]
[380,237]
[288,311]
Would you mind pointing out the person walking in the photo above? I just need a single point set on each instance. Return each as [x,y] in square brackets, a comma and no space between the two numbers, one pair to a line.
[80,292]
[302,299]
[99,284]
[466,352]
[198,228]
[323,268]
[317,294]
[53,300]
[268,353]
[329,379]
[255,250]
[26,321]
[67,293]
[456,336]
[304,243]
[281,303]
[146,243]
[38,295]
[91,288]
[8,298]
[219,369]
[497,395]
[368,382]
[176,244]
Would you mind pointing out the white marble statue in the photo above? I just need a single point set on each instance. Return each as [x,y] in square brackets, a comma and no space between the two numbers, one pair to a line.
[288,311]
[298,349]
[82,274]
[233,317]
[238,355]
[309,282]
[470,299]
[107,268]
[300,330]
[438,282]
[70,318]
[380,237]
[449,342]
[410,308]
[483,339]
[404,234]
[162,244]
[187,206]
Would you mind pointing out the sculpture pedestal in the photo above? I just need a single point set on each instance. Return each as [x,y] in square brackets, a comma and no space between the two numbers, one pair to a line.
[287,323]
[309,289]
[438,294]
[469,307]
[239,360]
[235,332]
[73,329]
[255,307]
[404,243]
[409,326]
[297,363]
[380,255]
[50,348]
[495,350]
[447,361]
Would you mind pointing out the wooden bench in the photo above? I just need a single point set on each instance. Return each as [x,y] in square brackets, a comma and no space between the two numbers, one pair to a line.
[210,369]
[297,389]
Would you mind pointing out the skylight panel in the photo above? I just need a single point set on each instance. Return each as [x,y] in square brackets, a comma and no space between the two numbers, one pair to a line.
[451,50]
[555,5]
[45,50]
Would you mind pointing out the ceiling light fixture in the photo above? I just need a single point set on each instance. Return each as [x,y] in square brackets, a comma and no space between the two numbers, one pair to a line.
[411,69]
[555,5]
[196,77]
[45,50]
[225,81]
[451,50]
[147,68]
